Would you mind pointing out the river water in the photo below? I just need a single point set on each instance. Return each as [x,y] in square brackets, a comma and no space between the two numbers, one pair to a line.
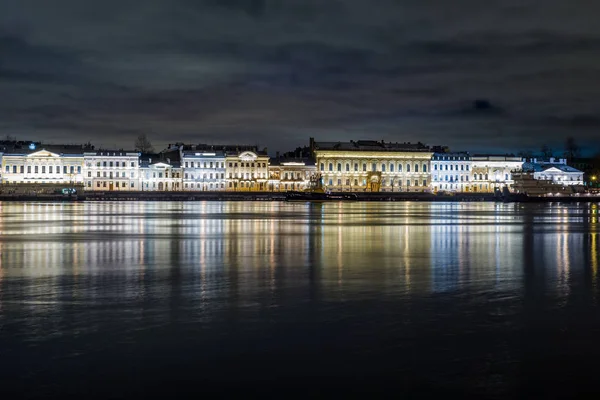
[117,300]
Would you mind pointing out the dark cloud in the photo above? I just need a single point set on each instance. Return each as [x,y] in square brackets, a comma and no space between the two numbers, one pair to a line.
[467,73]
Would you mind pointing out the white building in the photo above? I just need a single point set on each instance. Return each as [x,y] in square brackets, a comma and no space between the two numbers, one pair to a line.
[493,172]
[111,170]
[203,168]
[46,165]
[450,172]
[159,174]
[554,170]
[371,166]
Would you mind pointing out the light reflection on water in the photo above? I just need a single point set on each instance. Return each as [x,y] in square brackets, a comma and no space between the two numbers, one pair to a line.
[392,272]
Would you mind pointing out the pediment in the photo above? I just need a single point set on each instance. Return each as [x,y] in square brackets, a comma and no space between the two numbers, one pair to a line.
[43,153]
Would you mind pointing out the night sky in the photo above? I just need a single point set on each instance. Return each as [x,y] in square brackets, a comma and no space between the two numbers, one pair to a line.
[475,75]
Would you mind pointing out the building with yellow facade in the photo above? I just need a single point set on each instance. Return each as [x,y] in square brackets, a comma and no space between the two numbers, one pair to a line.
[371,166]
[246,169]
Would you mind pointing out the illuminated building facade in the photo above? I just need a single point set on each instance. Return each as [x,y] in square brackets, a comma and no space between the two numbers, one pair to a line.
[450,172]
[290,174]
[203,168]
[46,165]
[158,173]
[493,172]
[372,166]
[554,170]
[246,169]
[111,170]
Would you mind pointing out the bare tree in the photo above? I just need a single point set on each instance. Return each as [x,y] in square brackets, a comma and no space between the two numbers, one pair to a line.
[143,145]
[546,151]
[571,149]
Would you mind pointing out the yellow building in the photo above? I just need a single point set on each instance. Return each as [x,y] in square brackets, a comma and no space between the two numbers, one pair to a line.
[246,169]
[493,172]
[370,166]
[286,174]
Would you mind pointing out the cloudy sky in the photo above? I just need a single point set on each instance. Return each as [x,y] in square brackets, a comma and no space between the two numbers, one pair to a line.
[477,75]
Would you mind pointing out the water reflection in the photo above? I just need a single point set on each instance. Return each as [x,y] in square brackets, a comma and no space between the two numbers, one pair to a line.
[456,281]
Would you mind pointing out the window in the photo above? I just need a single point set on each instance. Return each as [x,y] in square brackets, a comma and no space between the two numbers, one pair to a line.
[330,182]
[330,166]
[15,169]
[103,184]
[72,169]
[186,164]
[89,174]
[103,173]
[435,167]
[339,182]
[23,169]
[424,167]
[416,168]
[347,182]
[451,166]
[347,167]
[98,174]
[322,167]
[79,170]
[355,167]
[486,177]
[505,177]
[123,164]
[446,167]
[399,167]
[64,169]
[50,169]
[35,169]
[131,184]
[407,170]
[104,163]
[29,169]
[364,167]
[408,182]
[382,167]
[97,184]
[339,167]
[467,167]
[373,167]
[391,167]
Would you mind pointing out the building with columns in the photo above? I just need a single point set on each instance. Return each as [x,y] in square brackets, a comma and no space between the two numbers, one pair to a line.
[246,168]
[493,172]
[203,168]
[46,164]
[451,172]
[111,170]
[290,174]
[554,170]
[161,172]
[373,166]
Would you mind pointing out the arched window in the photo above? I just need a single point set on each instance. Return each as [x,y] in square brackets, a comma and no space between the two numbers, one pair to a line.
[382,167]
[408,169]
[330,166]
[391,167]
[374,167]
[356,167]
[506,177]
[416,168]
[364,167]
[399,167]
[347,167]
[486,177]
[424,167]
[480,177]
[339,167]
[322,167]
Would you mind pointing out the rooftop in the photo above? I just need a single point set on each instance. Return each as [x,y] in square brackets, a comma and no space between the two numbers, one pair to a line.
[371,145]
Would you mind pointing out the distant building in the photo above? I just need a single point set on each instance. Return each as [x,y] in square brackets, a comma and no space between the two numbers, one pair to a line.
[246,168]
[493,172]
[555,170]
[372,166]
[290,174]
[111,170]
[46,164]
[203,168]
[451,172]
[161,172]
